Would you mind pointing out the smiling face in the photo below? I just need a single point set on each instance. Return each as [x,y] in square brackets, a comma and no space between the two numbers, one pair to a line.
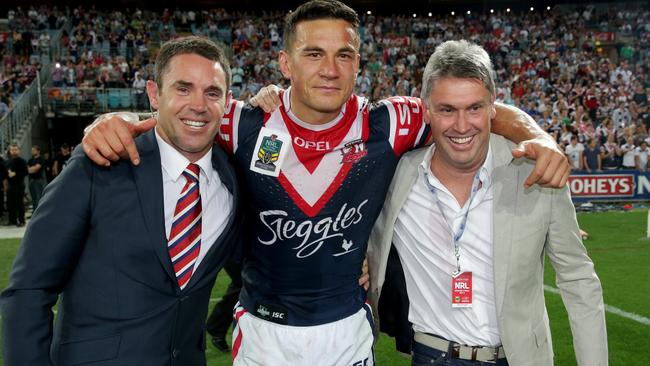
[322,63]
[190,103]
[460,111]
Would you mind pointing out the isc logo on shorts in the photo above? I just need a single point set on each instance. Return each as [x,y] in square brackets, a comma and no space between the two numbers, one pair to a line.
[272,314]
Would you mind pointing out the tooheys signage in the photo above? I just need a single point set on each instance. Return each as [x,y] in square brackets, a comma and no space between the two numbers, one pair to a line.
[617,185]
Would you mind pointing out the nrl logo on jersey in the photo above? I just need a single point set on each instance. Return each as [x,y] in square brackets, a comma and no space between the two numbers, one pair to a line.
[269,152]
[353,151]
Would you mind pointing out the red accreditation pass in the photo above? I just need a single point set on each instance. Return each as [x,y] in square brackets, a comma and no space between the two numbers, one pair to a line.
[461,290]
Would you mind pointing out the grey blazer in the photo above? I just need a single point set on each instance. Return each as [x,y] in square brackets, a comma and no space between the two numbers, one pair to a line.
[527,224]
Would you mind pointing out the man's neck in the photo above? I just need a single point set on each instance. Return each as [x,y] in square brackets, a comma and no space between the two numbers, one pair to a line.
[457,181]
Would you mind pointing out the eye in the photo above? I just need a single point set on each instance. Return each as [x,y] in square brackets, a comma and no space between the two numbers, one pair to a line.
[214,95]
[313,55]
[183,90]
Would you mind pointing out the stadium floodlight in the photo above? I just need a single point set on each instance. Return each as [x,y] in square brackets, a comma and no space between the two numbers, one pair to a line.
[508,10]
[453,13]
[414,15]
[491,11]
[430,14]
[548,8]
[368,12]
[531,8]
[469,12]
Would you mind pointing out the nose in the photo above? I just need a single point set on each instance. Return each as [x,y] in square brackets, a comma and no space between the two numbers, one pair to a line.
[197,103]
[462,124]
[329,68]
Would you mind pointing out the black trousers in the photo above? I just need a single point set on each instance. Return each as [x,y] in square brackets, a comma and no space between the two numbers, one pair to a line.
[221,317]
[15,204]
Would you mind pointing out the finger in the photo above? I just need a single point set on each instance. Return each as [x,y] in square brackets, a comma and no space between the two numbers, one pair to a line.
[565,179]
[96,157]
[554,165]
[116,145]
[538,172]
[91,152]
[126,140]
[99,136]
[142,126]
[364,281]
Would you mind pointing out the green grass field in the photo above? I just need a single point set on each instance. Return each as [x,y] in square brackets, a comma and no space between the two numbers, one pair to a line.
[621,257]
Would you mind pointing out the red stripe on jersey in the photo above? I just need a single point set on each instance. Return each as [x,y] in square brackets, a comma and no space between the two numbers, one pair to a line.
[409,119]
[226,127]
[312,211]
[310,146]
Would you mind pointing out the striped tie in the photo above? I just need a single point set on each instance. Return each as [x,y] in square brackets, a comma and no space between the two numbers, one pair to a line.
[185,237]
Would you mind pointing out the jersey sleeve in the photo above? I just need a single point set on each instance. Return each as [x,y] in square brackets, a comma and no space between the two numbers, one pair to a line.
[239,122]
[403,120]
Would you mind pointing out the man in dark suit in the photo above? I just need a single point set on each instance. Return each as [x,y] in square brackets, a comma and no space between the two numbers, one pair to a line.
[133,251]
[16,173]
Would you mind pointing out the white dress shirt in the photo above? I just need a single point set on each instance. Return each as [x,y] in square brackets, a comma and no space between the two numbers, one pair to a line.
[424,241]
[216,200]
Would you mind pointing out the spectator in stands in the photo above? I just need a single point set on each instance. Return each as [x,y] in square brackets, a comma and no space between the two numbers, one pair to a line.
[611,154]
[574,152]
[36,170]
[641,156]
[628,152]
[592,157]
[61,160]
[139,85]
[621,115]
[16,173]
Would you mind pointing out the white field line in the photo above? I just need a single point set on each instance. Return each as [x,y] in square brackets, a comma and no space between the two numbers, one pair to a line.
[610,309]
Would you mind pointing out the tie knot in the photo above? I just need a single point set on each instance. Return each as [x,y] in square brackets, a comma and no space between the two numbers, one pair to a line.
[191,173]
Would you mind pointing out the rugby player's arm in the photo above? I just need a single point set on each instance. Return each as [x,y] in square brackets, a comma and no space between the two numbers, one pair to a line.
[552,168]
[111,137]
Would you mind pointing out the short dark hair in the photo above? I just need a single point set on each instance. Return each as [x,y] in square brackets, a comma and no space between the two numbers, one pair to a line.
[190,45]
[315,10]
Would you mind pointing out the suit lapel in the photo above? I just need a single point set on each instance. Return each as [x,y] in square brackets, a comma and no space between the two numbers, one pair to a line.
[505,191]
[148,179]
[406,174]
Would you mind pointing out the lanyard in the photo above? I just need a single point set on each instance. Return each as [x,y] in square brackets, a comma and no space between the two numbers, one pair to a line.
[461,229]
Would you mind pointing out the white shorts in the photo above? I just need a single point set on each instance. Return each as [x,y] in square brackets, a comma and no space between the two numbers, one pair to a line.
[345,342]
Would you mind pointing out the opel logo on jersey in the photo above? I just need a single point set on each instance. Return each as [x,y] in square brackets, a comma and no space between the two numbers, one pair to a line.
[312,145]
[313,235]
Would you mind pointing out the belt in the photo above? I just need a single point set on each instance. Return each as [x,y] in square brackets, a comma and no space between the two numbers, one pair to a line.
[471,353]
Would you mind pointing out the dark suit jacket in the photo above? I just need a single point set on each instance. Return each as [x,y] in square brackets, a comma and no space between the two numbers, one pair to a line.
[98,239]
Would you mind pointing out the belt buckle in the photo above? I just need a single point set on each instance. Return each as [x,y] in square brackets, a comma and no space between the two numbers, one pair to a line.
[495,355]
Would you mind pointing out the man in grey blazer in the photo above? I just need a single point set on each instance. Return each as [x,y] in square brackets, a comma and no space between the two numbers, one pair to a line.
[133,271]
[471,239]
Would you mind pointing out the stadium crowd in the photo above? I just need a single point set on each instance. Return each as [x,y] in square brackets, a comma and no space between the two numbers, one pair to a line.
[550,63]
